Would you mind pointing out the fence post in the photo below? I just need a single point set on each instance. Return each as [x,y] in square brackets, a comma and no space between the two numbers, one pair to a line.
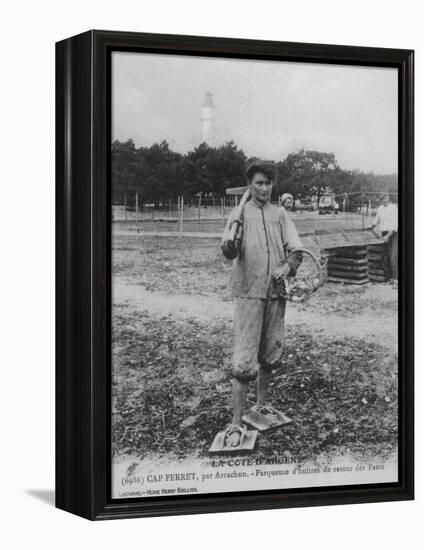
[200,203]
[362,211]
[125,207]
[181,214]
[223,208]
[136,212]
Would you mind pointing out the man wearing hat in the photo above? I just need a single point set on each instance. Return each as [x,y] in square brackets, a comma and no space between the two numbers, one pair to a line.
[268,238]
[387,219]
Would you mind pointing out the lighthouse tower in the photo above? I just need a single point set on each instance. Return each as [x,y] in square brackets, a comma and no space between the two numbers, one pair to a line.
[208,120]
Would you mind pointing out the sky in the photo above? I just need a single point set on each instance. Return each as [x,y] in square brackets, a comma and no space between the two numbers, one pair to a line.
[270,109]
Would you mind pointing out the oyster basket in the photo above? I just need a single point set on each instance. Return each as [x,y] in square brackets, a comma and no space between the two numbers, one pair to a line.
[300,288]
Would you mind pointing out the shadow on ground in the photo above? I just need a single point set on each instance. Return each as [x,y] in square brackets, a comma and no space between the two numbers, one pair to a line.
[45,495]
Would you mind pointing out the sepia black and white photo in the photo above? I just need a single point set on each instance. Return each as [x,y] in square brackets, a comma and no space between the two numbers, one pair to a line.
[254,274]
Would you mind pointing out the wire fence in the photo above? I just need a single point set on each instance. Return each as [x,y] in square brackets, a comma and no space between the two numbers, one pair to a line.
[198,209]
[349,209]
[207,216]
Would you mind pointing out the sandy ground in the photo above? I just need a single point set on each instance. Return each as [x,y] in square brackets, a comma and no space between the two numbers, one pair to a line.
[172,321]
[371,325]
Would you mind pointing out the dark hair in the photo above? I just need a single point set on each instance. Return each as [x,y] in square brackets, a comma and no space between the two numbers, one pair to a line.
[260,167]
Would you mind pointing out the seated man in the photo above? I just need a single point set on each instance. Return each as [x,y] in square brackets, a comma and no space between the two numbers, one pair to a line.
[268,237]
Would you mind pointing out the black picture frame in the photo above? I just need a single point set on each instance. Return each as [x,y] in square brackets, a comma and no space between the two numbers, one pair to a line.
[83,235]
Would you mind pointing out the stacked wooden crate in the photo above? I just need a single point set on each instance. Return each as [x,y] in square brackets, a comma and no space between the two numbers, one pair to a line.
[347,264]
[376,270]
[354,255]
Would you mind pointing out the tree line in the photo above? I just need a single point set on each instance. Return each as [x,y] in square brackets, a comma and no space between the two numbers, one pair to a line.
[159,174]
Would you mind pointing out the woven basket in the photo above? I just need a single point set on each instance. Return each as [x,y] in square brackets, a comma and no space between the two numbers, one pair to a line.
[301,288]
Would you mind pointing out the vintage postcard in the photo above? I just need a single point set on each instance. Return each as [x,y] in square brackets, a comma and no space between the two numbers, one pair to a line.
[254,275]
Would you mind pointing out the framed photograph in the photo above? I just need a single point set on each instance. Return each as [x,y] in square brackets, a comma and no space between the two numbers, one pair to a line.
[234,274]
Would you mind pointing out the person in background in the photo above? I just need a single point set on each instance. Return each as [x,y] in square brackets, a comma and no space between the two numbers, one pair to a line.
[287,201]
[387,219]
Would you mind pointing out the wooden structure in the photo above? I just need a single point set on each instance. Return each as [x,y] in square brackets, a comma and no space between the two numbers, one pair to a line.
[347,264]
[239,191]
[354,255]
[376,266]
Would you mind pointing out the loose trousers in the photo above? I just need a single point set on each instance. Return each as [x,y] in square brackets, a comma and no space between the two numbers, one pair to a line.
[258,335]
[390,256]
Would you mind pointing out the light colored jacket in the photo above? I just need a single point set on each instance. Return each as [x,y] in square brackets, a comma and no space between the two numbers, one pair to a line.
[269,236]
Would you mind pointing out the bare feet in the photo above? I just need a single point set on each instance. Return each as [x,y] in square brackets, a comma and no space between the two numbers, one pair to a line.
[268,411]
[259,407]
[233,435]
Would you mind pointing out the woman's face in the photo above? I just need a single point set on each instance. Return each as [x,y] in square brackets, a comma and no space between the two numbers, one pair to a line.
[288,204]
